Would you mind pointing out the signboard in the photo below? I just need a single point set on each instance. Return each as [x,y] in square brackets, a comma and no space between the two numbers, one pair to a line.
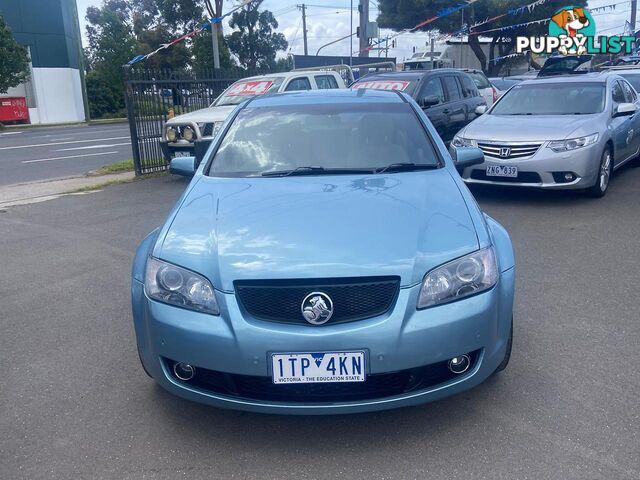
[382,85]
[254,87]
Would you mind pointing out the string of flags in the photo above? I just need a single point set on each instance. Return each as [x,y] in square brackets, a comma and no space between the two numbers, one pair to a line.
[203,26]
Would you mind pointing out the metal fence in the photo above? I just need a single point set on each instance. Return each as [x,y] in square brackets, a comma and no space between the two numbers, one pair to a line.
[153,96]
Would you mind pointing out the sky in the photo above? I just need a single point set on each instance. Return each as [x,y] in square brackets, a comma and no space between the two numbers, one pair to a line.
[330,20]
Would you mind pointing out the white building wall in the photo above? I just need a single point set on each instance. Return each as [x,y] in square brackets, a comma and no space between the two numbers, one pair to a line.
[58,96]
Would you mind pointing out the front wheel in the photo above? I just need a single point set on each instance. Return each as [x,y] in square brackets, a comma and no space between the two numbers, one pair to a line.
[599,189]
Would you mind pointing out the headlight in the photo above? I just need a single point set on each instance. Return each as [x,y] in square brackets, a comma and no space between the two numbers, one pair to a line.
[178,286]
[460,278]
[573,143]
[188,134]
[459,142]
[172,134]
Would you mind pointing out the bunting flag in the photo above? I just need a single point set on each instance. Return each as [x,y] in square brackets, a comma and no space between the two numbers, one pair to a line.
[203,26]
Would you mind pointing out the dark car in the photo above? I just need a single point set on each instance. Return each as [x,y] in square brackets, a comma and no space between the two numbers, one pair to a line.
[449,97]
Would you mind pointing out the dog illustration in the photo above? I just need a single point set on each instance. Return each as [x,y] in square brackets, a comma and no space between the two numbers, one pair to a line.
[572,21]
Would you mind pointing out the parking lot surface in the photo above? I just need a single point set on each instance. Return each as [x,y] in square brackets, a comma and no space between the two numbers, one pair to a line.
[31,154]
[74,402]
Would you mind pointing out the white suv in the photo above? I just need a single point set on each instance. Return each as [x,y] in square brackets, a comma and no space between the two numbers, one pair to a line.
[190,134]
[485,88]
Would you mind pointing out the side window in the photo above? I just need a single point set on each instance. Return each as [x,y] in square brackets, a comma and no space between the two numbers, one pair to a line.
[325,82]
[300,83]
[629,92]
[452,87]
[469,88]
[433,87]
[617,93]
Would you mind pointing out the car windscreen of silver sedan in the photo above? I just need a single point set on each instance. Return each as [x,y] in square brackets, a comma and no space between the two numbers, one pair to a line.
[552,99]
[556,133]
[325,258]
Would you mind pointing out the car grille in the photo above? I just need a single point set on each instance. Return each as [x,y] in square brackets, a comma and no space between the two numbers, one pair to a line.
[207,129]
[353,299]
[379,385]
[507,151]
[523,177]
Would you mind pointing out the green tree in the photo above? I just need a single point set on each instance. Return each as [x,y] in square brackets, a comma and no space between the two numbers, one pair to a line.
[400,14]
[111,45]
[14,60]
[202,52]
[254,42]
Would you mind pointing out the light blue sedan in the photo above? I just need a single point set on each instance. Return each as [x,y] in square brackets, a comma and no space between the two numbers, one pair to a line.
[325,258]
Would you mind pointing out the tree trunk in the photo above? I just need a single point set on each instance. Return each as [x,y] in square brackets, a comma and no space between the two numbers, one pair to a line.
[474,44]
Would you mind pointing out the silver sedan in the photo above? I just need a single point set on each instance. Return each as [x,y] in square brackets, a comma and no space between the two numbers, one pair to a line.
[568,132]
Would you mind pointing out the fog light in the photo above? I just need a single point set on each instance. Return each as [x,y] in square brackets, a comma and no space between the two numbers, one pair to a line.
[188,134]
[569,177]
[184,371]
[460,364]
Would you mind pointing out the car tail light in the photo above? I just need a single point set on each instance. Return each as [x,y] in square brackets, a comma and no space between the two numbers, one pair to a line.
[495,94]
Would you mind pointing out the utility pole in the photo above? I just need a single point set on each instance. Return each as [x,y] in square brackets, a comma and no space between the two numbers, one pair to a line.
[634,8]
[303,7]
[363,10]
[215,11]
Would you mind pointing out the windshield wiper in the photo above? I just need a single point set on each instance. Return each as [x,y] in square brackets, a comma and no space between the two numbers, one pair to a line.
[311,170]
[405,166]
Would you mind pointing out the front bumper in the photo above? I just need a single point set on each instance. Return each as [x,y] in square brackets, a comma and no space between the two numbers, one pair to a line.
[404,338]
[545,169]
[196,149]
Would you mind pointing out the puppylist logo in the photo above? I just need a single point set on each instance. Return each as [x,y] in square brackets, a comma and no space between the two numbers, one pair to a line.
[572,31]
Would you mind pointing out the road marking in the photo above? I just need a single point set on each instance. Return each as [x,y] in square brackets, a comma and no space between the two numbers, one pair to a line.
[71,156]
[11,133]
[92,146]
[63,143]
[84,132]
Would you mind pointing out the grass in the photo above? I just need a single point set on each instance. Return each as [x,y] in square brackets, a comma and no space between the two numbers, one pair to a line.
[118,167]
[100,186]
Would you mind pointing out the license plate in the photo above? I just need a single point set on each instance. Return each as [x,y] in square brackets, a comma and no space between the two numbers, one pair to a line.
[502,171]
[322,367]
[182,154]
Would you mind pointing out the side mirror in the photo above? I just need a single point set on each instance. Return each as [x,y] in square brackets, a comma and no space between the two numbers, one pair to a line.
[185,166]
[625,109]
[481,109]
[464,157]
[429,101]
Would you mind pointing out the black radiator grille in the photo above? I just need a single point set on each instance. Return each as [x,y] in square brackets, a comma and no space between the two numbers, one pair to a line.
[353,298]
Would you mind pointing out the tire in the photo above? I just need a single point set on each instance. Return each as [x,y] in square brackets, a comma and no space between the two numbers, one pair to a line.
[605,171]
[507,355]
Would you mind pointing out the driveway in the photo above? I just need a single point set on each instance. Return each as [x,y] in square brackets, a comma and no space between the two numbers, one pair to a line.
[74,402]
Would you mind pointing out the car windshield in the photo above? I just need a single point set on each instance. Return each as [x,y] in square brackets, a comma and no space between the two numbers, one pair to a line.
[552,99]
[324,138]
[633,79]
[480,80]
[243,89]
[406,85]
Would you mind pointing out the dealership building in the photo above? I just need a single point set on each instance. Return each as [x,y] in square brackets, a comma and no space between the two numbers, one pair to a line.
[50,30]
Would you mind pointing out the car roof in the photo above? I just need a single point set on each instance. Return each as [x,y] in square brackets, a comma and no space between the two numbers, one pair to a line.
[409,74]
[590,77]
[329,96]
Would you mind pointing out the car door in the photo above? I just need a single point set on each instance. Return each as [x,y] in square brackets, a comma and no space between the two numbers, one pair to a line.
[472,96]
[621,126]
[456,109]
[432,87]
[633,135]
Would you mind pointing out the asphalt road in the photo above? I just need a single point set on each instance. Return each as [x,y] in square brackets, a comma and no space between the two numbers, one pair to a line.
[74,403]
[42,153]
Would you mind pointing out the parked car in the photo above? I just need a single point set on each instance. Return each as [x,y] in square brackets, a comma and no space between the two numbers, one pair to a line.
[567,132]
[502,84]
[630,74]
[325,258]
[190,134]
[449,97]
[487,90]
